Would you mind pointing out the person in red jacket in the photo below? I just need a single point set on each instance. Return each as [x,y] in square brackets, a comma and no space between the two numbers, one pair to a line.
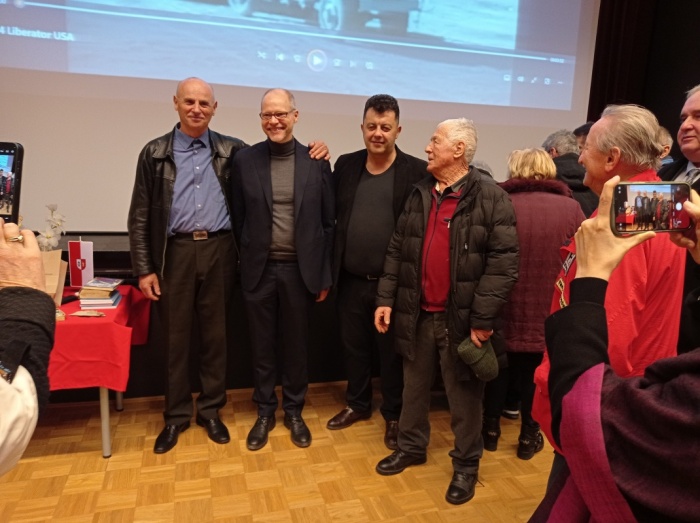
[644,294]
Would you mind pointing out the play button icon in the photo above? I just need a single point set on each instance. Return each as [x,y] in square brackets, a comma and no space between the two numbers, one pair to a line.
[316,60]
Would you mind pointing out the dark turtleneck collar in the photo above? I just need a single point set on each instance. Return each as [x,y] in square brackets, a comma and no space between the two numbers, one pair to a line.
[281,149]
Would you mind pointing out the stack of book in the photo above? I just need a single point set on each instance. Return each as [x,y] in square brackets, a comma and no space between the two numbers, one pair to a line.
[100,293]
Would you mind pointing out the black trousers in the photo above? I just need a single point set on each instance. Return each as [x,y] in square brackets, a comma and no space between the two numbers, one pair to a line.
[521,368]
[361,342]
[279,310]
[198,281]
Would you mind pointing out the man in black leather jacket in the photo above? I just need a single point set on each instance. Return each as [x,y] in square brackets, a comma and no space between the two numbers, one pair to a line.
[184,253]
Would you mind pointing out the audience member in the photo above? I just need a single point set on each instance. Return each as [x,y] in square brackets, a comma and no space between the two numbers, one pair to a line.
[449,268]
[687,169]
[27,324]
[644,295]
[631,444]
[372,186]
[562,147]
[581,133]
[546,217]
[284,214]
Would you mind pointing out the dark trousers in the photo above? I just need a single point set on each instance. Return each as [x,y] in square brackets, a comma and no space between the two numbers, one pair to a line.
[198,280]
[464,397]
[361,341]
[279,309]
[521,369]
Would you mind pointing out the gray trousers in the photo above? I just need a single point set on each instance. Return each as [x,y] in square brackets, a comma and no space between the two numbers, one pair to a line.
[464,397]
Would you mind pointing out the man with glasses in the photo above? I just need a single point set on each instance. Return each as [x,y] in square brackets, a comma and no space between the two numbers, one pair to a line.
[284,214]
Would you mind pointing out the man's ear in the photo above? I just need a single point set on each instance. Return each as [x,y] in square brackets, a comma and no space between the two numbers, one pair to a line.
[613,159]
[459,149]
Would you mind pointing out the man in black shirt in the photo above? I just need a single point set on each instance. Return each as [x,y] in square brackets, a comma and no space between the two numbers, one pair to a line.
[372,187]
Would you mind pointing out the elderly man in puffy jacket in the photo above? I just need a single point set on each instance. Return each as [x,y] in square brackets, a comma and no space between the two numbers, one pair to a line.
[449,268]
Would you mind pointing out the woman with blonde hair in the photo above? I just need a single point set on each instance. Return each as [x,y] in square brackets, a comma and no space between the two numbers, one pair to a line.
[547,216]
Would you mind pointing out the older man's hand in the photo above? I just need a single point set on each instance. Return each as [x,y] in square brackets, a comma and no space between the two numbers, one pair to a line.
[21,263]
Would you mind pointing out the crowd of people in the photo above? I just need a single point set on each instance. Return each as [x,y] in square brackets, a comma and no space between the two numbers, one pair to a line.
[436,269]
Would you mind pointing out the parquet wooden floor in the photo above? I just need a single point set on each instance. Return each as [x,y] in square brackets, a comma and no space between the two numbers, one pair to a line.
[64,478]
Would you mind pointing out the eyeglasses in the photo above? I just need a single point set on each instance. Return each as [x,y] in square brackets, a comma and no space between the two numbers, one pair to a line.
[279,116]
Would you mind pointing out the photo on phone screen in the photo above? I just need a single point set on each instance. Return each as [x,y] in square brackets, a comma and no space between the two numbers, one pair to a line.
[10,180]
[650,206]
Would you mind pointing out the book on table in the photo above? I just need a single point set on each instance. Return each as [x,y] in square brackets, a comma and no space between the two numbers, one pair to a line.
[111,302]
[99,287]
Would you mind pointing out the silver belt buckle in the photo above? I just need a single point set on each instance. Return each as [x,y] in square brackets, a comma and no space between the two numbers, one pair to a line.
[200,235]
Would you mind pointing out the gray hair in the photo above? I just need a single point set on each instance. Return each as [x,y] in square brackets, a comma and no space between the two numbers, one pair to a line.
[694,90]
[462,130]
[665,137]
[634,131]
[563,140]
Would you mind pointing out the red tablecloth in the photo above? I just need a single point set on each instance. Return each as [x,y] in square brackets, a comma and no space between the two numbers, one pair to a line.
[95,352]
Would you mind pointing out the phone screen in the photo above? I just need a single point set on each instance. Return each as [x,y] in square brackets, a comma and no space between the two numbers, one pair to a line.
[650,206]
[10,180]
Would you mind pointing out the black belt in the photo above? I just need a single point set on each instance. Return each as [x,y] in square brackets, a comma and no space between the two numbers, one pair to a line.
[200,235]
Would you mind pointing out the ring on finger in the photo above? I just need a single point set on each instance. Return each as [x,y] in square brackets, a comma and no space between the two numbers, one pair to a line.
[19,239]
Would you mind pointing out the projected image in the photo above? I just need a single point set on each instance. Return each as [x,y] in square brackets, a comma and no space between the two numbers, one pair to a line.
[489,52]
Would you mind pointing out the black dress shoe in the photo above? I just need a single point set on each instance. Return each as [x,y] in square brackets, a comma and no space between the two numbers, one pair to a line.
[345,418]
[397,462]
[167,438]
[461,488]
[301,436]
[391,435]
[257,437]
[216,429]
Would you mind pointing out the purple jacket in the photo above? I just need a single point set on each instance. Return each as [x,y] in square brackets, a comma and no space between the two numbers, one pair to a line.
[547,216]
[631,443]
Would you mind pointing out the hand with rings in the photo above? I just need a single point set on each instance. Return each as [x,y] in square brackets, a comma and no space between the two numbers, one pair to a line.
[20,258]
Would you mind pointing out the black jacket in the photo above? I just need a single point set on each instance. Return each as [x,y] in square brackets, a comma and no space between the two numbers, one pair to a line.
[153,197]
[314,214]
[347,172]
[572,173]
[483,263]
[689,335]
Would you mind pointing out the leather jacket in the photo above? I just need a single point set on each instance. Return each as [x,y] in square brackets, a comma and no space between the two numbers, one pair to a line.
[153,197]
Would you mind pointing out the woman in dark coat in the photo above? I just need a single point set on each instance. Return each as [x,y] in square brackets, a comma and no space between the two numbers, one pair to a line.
[547,216]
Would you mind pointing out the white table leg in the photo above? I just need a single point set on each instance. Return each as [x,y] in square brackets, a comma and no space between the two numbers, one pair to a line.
[104,418]
[119,401]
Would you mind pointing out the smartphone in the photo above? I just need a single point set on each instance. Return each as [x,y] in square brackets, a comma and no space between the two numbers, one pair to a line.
[650,206]
[11,155]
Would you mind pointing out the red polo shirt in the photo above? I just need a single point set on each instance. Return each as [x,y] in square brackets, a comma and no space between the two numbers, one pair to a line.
[436,249]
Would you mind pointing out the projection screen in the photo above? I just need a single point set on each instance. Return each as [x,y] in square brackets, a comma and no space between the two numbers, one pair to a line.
[85,84]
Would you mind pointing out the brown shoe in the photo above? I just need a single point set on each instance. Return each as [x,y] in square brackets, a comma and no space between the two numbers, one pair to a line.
[345,418]
[391,435]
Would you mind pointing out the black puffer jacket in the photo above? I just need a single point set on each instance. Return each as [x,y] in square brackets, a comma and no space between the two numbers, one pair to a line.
[483,263]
